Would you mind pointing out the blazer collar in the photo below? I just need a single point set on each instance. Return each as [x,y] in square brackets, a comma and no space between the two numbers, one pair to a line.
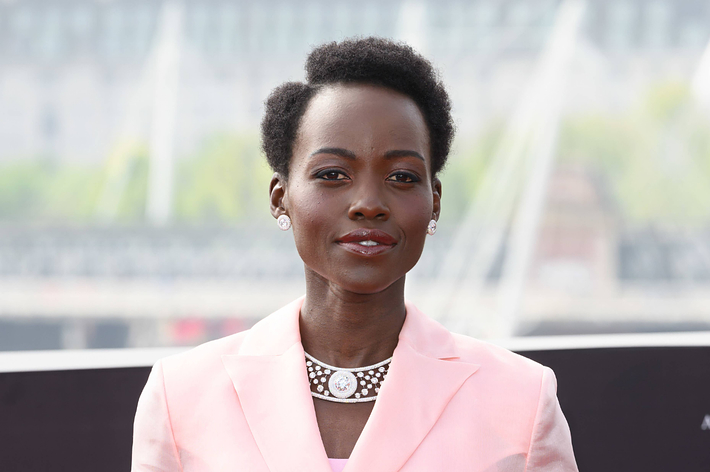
[275,334]
[269,375]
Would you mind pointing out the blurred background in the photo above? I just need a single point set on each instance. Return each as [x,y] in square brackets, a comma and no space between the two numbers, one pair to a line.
[133,194]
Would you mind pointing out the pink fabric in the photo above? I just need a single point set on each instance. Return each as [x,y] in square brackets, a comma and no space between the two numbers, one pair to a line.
[450,402]
[337,464]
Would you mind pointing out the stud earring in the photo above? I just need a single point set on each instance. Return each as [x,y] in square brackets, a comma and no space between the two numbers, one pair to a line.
[431,228]
[284,222]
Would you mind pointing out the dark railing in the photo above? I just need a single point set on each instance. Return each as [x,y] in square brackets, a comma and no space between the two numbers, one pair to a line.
[257,251]
[632,406]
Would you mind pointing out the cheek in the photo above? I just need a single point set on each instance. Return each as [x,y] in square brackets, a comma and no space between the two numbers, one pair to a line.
[309,206]
[414,217]
[312,215]
[417,212]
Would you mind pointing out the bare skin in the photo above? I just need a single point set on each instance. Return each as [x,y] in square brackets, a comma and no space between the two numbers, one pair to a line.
[362,331]
[361,161]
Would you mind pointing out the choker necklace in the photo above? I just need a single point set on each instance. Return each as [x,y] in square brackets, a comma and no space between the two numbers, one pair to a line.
[343,385]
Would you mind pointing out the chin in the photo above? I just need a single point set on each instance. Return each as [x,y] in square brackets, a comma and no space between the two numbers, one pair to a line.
[360,280]
[365,289]
[365,285]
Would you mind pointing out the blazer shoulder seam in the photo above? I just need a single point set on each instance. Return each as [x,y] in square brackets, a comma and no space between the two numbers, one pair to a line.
[533,430]
[170,420]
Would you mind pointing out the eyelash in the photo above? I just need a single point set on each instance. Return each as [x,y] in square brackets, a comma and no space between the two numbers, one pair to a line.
[412,178]
[322,174]
[409,177]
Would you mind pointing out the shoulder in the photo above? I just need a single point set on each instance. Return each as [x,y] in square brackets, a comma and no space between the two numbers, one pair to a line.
[519,398]
[272,335]
[496,358]
[205,355]
[496,367]
[509,385]
[196,376]
[517,394]
[505,371]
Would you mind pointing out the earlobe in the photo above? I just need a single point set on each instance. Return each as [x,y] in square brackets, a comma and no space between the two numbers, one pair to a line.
[277,194]
[436,198]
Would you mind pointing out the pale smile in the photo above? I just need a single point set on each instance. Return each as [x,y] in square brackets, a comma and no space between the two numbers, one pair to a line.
[366,248]
[368,243]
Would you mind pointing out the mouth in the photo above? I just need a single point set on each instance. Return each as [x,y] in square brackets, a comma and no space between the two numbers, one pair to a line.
[367,242]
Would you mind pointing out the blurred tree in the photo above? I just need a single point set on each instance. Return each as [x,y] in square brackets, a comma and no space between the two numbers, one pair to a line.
[225,181]
[43,190]
[466,167]
[131,206]
[656,158]
[124,184]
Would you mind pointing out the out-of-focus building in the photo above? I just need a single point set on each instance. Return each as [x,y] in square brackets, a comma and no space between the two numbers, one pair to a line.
[79,77]
[71,69]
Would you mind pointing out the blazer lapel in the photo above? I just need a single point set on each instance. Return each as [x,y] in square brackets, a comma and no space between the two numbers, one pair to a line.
[268,374]
[269,377]
[423,377]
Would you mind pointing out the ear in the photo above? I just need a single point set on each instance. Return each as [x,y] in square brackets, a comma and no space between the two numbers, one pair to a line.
[436,196]
[277,194]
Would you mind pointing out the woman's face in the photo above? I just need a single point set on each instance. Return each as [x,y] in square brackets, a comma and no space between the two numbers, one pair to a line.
[360,191]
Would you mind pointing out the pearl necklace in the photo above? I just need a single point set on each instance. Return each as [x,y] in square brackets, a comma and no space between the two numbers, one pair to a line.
[343,385]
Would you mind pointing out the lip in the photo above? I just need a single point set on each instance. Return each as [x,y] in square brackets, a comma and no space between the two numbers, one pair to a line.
[383,241]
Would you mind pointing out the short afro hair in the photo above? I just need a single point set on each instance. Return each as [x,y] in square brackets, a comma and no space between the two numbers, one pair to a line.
[373,61]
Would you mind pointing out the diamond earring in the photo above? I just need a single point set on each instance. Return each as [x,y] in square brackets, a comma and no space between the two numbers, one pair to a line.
[431,228]
[284,222]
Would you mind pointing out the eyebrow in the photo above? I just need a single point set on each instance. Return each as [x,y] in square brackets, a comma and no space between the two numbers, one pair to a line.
[335,151]
[351,155]
[404,153]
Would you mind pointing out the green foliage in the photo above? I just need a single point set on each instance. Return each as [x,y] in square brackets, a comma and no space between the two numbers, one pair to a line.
[131,206]
[53,191]
[667,101]
[655,158]
[225,181]
[40,190]
[467,165]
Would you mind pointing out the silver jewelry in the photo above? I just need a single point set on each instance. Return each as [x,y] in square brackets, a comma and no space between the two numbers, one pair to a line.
[431,228]
[344,385]
[284,222]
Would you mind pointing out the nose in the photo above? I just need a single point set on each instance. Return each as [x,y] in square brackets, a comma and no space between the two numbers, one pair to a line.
[368,203]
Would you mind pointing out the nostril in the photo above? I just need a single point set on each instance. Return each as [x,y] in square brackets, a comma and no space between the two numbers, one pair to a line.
[368,210]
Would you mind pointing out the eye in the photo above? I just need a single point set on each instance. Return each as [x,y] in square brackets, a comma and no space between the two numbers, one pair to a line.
[331,174]
[403,177]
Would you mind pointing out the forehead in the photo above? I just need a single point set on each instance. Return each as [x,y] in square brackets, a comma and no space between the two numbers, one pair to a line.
[362,118]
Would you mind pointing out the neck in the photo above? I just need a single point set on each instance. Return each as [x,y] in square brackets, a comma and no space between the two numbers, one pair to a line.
[347,329]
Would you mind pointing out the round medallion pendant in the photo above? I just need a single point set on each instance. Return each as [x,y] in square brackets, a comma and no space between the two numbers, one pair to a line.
[342,384]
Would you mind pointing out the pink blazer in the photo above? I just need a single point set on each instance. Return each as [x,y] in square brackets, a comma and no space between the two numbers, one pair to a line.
[450,403]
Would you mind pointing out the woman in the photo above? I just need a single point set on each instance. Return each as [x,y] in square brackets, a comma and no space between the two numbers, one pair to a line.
[356,151]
